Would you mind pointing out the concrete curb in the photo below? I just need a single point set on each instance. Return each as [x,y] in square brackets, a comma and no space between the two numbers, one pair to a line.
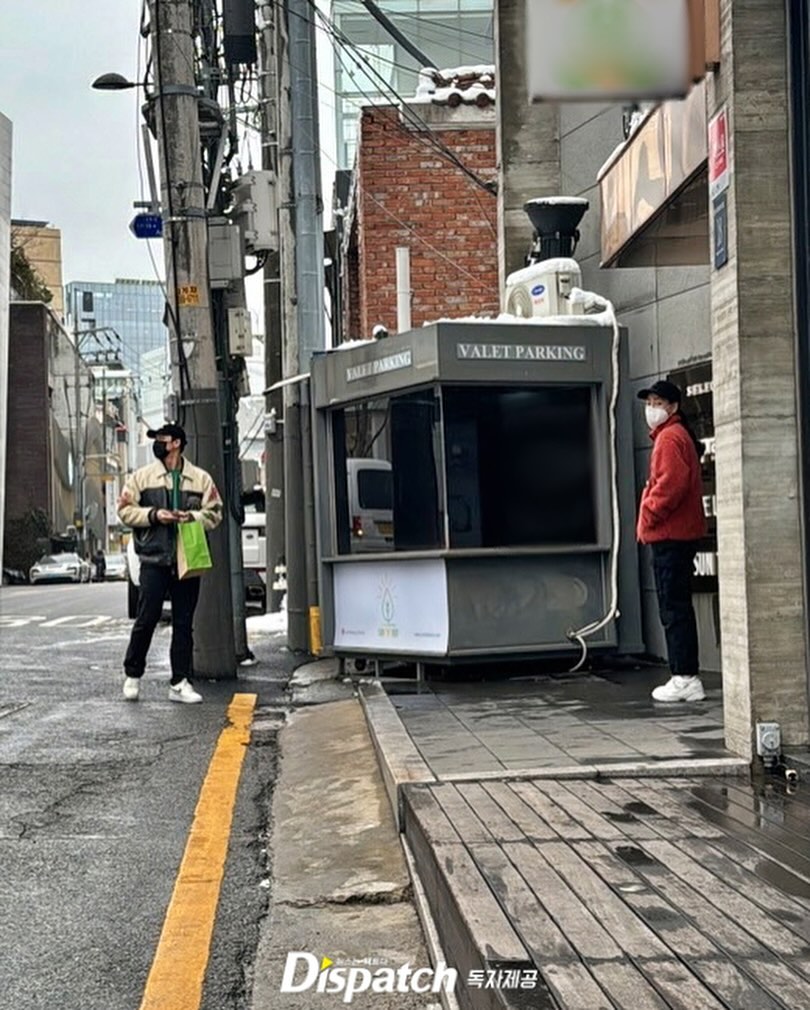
[399,760]
[402,764]
[668,768]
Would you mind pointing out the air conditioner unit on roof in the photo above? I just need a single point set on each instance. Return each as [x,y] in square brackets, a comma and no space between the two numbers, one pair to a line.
[543,287]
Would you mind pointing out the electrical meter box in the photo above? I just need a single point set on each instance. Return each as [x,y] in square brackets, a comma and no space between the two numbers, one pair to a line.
[225,260]
[255,208]
[475,491]
[240,333]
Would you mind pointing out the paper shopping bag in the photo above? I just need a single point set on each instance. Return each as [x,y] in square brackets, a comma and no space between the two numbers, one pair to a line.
[193,555]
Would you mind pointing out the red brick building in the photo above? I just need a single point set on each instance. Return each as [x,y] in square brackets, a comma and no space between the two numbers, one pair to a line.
[407,194]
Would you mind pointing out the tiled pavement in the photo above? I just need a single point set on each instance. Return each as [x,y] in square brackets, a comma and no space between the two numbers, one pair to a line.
[580,719]
[540,848]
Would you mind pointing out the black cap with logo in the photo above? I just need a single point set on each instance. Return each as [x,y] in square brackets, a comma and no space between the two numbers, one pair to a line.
[666,390]
[173,431]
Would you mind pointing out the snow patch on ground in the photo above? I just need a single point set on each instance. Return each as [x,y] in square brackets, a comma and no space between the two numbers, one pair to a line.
[269,623]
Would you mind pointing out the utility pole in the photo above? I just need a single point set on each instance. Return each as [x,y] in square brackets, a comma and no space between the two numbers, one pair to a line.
[304,309]
[273,319]
[194,366]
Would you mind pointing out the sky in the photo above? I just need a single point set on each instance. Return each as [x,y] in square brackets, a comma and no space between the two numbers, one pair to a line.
[75,153]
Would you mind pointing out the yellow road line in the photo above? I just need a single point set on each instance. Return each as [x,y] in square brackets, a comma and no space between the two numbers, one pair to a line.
[176,977]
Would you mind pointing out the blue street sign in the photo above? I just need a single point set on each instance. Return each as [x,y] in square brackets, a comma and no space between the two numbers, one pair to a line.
[146,226]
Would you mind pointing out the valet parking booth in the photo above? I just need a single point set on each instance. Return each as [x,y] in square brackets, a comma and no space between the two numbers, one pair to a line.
[475,493]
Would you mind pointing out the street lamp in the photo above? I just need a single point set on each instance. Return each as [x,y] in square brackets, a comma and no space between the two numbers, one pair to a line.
[113,82]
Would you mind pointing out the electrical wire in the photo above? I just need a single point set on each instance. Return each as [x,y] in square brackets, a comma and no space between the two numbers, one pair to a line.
[424,134]
[476,280]
[581,634]
[429,21]
[353,52]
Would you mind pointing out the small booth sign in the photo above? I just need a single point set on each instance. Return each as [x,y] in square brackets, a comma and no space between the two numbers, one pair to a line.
[398,606]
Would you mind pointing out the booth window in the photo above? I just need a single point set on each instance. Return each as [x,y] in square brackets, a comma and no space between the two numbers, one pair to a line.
[388,480]
[519,466]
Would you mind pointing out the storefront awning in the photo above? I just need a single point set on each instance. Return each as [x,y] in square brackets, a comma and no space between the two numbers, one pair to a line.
[654,192]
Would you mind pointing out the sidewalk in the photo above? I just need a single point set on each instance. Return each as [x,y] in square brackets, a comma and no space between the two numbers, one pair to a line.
[572,828]
[339,886]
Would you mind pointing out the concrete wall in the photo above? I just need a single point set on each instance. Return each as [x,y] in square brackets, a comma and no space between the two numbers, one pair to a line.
[762,598]
[5,291]
[666,311]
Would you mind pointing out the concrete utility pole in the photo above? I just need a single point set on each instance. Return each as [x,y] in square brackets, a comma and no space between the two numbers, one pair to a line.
[193,355]
[306,328]
[273,319]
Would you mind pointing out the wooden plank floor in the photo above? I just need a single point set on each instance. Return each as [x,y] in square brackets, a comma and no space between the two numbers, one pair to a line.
[636,893]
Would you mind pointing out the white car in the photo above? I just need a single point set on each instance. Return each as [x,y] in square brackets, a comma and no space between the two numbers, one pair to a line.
[115,567]
[60,568]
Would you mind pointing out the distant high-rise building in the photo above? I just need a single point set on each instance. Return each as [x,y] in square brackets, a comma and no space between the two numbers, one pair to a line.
[5,294]
[42,245]
[371,66]
[133,308]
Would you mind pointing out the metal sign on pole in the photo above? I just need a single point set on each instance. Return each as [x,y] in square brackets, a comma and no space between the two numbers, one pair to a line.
[147,226]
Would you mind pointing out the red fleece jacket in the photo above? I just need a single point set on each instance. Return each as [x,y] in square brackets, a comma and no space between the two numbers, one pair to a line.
[671,502]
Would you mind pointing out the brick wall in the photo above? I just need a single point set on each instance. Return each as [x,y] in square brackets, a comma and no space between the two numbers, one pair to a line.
[28,451]
[408,195]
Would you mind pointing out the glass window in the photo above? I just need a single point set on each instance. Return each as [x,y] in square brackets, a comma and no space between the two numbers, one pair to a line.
[375,489]
[87,301]
[388,474]
[519,466]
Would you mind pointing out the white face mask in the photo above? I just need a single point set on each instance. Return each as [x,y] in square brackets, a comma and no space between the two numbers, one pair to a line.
[655,416]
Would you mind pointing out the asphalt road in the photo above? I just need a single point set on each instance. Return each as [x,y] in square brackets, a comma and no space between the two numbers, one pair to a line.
[96,799]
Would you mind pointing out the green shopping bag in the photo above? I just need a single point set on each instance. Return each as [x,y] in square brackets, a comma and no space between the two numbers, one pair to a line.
[193,555]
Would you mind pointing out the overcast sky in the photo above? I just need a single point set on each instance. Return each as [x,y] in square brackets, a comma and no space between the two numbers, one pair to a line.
[74,149]
[75,161]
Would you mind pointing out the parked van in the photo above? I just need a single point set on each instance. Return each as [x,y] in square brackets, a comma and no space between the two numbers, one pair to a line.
[371,504]
[254,558]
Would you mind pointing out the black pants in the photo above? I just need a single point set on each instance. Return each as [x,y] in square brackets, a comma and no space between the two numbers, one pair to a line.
[156,581]
[673,563]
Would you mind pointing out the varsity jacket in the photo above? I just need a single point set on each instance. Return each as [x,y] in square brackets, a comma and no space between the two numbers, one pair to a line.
[672,503]
[149,489]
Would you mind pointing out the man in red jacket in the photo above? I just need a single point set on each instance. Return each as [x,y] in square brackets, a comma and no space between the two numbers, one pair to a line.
[671,521]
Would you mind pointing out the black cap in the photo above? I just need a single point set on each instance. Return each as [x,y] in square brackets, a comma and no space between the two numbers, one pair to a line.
[666,390]
[174,431]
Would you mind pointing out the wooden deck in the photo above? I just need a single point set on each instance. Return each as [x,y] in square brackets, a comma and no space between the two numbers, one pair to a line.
[628,893]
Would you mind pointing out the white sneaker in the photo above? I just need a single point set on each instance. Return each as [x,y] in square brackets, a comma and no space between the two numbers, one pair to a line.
[184,692]
[132,688]
[680,689]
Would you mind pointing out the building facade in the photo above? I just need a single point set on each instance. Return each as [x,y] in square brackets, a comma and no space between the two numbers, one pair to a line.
[52,425]
[371,66]
[134,309]
[698,232]
[406,194]
[42,244]
[5,296]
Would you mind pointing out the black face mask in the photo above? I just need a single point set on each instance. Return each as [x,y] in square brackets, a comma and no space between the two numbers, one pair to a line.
[160,449]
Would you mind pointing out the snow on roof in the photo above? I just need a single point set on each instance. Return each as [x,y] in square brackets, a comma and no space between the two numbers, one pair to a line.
[473,85]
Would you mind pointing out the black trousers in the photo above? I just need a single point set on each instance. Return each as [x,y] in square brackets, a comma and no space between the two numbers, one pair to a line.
[156,582]
[673,563]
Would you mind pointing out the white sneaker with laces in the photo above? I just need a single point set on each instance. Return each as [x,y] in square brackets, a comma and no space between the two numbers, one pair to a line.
[679,688]
[184,692]
[132,688]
